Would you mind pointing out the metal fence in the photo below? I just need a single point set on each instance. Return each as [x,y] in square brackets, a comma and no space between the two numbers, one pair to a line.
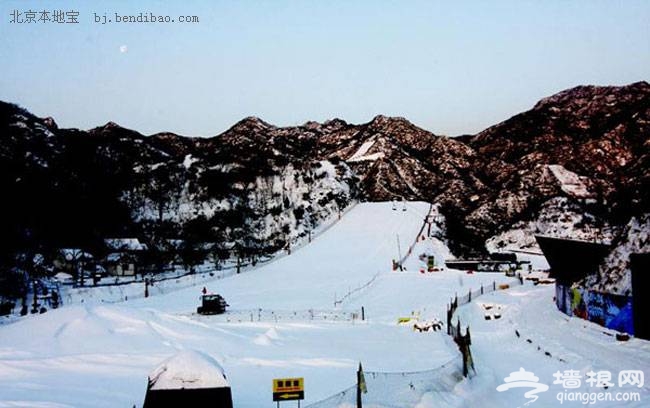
[358,289]
[398,389]
[275,316]
[409,250]
[464,341]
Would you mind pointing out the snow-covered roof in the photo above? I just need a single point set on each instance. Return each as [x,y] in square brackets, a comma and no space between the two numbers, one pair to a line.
[74,254]
[62,277]
[176,243]
[114,257]
[125,244]
[189,369]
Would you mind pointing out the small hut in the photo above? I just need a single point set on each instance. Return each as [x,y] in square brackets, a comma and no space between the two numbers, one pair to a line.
[188,379]
[125,256]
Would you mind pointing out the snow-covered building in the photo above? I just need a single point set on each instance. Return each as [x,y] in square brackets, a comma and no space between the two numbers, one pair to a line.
[70,259]
[124,257]
[188,379]
[125,244]
[120,264]
[578,267]
[572,260]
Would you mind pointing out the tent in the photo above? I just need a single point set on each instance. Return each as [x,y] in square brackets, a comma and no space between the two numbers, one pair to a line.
[188,379]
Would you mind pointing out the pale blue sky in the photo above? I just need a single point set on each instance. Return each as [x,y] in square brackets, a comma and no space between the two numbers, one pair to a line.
[451,69]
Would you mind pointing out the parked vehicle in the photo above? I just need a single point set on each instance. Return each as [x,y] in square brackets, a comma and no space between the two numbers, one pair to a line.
[212,304]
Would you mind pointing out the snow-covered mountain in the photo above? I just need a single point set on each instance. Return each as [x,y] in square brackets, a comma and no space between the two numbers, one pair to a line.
[596,141]
[259,186]
[238,193]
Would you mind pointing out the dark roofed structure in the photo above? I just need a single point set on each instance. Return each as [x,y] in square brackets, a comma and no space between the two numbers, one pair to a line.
[571,260]
[188,379]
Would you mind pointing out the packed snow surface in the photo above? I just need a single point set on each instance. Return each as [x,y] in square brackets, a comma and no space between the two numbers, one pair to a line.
[299,316]
[532,334]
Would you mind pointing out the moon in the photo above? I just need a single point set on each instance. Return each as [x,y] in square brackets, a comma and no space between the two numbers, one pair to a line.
[123,49]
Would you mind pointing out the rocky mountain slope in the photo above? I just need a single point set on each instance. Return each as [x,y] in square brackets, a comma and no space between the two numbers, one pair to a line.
[257,187]
[235,195]
[588,144]
[600,133]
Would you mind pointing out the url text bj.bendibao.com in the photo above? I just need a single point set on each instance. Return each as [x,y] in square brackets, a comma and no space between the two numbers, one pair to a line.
[143,17]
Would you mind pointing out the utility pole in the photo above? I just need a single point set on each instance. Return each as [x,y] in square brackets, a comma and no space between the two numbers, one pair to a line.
[35,300]
[359,402]
[361,386]
[399,254]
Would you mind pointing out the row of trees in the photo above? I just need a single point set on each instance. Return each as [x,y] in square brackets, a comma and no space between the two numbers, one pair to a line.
[256,220]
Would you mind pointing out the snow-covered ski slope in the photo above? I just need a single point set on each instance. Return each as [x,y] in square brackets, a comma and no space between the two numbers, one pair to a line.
[351,253]
[535,336]
[282,323]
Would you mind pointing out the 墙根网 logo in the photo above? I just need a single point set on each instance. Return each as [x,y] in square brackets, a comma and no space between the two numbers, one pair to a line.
[524,379]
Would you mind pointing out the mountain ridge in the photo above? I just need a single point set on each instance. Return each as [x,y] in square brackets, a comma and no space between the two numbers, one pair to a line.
[484,183]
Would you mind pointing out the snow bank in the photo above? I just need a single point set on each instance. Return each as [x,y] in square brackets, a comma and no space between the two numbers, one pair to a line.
[190,370]
[267,338]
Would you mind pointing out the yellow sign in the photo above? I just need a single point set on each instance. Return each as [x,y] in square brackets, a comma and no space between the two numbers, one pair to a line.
[287,389]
